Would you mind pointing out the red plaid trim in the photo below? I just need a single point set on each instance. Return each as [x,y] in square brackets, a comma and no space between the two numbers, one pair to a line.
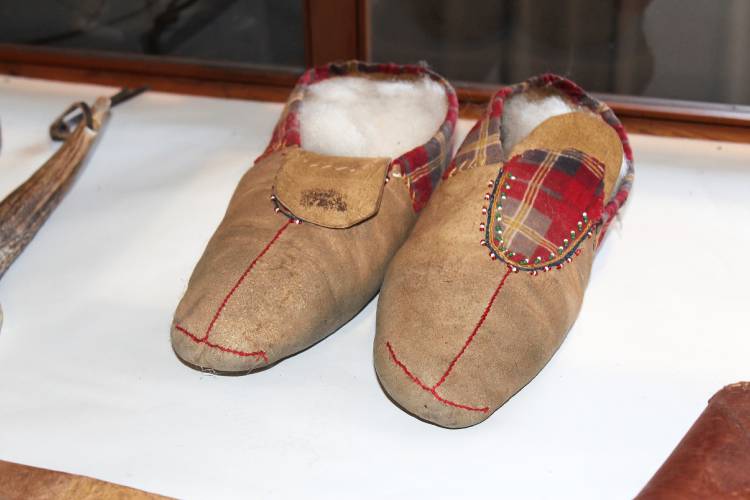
[483,144]
[422,167]
[543,205]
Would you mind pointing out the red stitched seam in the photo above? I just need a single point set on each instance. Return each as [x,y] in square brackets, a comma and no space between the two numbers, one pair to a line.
[256,354]
[424,386]
[204,339]
[433,390]
[474,332]
[243,276]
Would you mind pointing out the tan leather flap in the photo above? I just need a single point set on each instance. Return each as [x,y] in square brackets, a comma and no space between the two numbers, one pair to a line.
[330,191]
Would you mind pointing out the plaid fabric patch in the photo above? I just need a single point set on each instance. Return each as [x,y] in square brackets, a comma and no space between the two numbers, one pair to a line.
[423,166]
[483,144]
[543,205]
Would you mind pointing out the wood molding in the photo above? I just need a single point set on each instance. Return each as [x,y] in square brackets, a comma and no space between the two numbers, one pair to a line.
[638,107]
[147,65]
[646,115]
[335,30]
[236,81]
[686,129]
[164,74]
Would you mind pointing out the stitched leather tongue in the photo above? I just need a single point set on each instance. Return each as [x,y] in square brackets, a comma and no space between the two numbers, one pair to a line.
[330,191]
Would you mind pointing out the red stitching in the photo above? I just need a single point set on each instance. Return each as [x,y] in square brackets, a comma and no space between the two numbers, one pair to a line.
[244,274]
[474,332]
[204,339]
[433,390]
[257,354]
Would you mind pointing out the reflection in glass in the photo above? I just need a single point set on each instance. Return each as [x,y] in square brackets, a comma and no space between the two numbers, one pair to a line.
[259,31]
[677,49]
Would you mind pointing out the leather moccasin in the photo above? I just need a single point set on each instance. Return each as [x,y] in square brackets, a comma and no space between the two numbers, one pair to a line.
[492,277]
[307,235]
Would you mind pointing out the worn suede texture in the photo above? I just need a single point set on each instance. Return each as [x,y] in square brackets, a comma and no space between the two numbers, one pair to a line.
[266,287]
[458,333]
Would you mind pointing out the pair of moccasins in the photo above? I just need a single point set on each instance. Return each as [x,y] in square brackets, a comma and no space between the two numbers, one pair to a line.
[478,287]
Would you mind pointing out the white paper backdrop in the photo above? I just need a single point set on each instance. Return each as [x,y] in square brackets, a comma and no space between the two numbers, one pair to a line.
[89,384]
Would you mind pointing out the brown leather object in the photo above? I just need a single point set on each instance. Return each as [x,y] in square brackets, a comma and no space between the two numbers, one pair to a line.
[713,459]
[31,483]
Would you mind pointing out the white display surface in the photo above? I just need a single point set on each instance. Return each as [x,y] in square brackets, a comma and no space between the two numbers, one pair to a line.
[89,383]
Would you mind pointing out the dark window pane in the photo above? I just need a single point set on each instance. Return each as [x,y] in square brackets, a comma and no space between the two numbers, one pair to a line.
[678,49]
[256,32]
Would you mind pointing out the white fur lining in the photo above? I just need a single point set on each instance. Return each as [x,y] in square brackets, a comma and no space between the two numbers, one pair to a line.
[354,116]
[522,115]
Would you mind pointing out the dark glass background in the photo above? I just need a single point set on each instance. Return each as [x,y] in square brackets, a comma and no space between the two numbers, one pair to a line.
[695,50]
[239,31]
[678,49]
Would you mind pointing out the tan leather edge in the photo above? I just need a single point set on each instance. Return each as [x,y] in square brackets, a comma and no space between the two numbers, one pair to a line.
[330,191]
[584,131]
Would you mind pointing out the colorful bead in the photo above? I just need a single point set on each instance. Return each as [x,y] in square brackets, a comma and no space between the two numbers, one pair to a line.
[486,196]
[481,227]
[482,242]
[484,210]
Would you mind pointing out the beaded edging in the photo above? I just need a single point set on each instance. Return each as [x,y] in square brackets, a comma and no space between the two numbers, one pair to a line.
[548,253]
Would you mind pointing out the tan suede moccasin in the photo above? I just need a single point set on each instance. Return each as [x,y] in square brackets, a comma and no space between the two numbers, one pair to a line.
[492,277]
[308,234]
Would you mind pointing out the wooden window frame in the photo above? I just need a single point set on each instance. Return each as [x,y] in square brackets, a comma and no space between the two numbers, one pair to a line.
[337,30]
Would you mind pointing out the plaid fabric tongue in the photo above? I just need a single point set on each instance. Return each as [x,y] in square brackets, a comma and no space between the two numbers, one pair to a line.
[543,204]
